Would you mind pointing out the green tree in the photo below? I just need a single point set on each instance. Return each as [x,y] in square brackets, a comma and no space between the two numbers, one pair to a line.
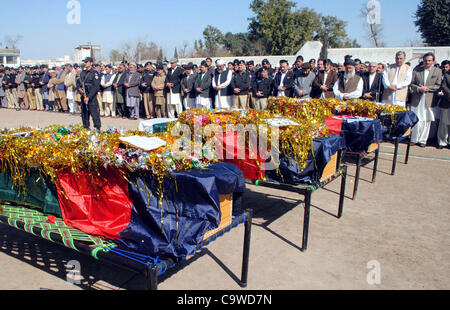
[433,21]
[284,30]
[274,23]
[213,39]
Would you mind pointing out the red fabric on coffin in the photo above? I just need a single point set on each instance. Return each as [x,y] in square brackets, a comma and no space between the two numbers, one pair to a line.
[97,205]
[334,124]
[249,167]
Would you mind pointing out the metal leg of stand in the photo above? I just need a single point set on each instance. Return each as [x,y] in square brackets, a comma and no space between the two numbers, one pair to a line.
[246,254]
[375,164]
[308,194]
[394,162]
[407,149]
[358,169]
[152,278]
[342,193]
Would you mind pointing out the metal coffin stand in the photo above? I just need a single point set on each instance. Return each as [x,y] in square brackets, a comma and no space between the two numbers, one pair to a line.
[406,138]
[373,148]
[35,222]
[307,190]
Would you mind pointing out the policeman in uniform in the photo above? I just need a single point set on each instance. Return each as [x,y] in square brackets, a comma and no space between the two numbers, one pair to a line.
[89,86]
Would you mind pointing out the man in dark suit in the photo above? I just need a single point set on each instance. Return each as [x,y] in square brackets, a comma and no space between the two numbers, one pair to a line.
[203,87]
[173,89]
[119,92]
[147,90]
[284,81]
[373,83]
[324,81]
[187,85]
[444,104]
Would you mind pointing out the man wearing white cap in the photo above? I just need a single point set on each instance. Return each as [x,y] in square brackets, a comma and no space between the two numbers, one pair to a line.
[221,84]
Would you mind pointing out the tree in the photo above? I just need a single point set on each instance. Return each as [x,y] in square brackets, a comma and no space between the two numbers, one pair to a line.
[160,57]
[283,30]
[433,21]
[213,39]
[11,42]
[266,25]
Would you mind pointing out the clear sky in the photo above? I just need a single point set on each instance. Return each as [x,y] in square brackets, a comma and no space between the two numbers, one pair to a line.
[43,23]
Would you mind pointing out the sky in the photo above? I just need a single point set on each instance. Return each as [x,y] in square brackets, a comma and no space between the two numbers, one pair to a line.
[47,34]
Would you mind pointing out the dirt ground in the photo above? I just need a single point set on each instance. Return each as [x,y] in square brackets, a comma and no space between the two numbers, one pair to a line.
[400,223]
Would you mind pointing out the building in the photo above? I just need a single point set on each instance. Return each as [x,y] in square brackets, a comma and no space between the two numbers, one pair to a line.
[50,62]
[10,57]
[88,50]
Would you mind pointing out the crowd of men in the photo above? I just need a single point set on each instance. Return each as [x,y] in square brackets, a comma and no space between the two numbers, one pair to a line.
[166,89]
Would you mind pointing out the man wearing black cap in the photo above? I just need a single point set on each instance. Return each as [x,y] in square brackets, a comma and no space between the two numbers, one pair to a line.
[22,95]
[240,84]
[37,89]
[266,64]
[89,85]
[43,81]
[3,101]
[29,86]
[303,83]
[263,89]
[148,93]
[252,72]
[187,85]
[349,85]
[298,66]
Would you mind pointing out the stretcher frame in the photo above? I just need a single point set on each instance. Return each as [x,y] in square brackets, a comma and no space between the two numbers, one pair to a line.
[151,268]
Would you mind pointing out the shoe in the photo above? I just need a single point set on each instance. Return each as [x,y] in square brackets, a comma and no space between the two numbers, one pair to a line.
[422,145]
[440,147]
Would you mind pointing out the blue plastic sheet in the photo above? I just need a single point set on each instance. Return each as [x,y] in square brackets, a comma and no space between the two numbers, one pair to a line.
[190,208]
[359,133]
[402,122]
[290,173]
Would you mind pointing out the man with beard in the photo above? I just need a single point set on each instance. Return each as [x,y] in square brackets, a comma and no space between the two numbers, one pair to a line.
[173,89]
[221,84]
[349,85]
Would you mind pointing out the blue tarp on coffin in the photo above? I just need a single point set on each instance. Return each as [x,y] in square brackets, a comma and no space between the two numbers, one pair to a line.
[190,208]
[402,122]
[290,172]
[359,133]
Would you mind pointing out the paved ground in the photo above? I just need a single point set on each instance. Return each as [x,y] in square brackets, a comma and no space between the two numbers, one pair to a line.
[400,221]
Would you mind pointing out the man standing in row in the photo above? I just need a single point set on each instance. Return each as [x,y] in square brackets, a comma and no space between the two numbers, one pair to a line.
[373,83]
[89,85]
[240,84]
[187,84]
[396,80]
[263,88]
[221,84]
[304,81]
[284,81]
[349,85]
[325,80]
[148,92]
[425,84]
[173,88]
